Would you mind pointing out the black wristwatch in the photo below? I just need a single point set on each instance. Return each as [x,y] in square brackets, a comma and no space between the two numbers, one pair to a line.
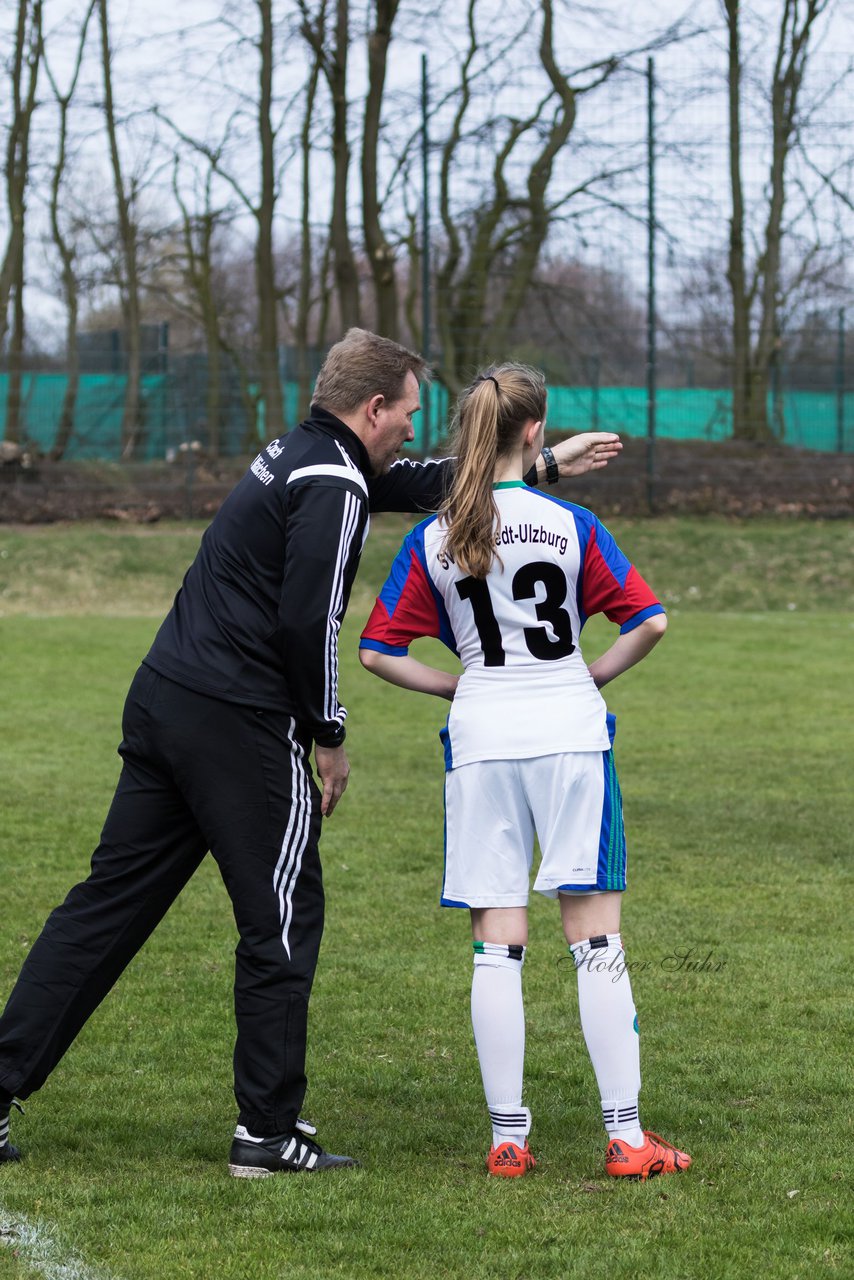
[552,470]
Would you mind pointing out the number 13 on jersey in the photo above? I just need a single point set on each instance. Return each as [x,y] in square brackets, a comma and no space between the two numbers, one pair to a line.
[546,642]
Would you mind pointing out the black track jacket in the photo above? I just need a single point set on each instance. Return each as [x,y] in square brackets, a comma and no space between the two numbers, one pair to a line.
[257,618]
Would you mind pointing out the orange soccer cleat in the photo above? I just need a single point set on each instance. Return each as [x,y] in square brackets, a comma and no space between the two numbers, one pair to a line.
[509,1160]
[651,1160]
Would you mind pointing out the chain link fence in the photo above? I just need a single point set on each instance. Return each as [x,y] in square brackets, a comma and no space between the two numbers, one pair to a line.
[598,388]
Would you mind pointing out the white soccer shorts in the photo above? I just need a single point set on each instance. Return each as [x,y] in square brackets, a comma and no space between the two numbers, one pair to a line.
[493,809]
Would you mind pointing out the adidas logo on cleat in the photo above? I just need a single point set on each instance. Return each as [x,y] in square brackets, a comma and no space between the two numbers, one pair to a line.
[616,1155]
[654,1158]
[509,1160]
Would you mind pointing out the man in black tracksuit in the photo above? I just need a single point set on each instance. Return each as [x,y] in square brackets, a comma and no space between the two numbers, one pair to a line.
[219,723]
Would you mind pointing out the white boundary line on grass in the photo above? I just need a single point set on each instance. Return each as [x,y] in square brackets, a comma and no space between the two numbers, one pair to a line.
[38,1250]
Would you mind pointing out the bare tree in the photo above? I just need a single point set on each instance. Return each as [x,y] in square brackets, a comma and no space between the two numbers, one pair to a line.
[262,209]
[490,254]
[198,234]
[380,253]
[755,289]
[306,273]
[26,59]
[265,267]
[332,49]
[125,196]
[66,247]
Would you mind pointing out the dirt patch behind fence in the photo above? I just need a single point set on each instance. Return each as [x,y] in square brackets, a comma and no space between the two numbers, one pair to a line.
[689,478]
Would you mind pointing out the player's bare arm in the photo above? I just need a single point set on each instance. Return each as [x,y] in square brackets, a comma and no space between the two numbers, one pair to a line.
[408,673]
[628,649]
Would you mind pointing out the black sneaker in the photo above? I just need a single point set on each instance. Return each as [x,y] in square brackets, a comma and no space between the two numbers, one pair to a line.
[293,1152]
[7,1151]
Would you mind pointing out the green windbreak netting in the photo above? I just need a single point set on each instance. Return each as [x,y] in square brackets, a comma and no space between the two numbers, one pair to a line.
[804,419]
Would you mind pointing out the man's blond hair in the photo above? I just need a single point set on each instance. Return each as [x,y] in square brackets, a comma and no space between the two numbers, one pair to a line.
[363,365]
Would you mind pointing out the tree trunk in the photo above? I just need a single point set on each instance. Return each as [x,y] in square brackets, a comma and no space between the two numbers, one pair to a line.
[333,62]
[65,425]
[301,326]
[742,408]
[203,275]
[446,273]
[131,425]
[380,253]
[346,275]
[753,361]
[265,267]
[16,352]
[213,397]
[477,304]
[539,176]
[26,56]
[412,297]
[326,289]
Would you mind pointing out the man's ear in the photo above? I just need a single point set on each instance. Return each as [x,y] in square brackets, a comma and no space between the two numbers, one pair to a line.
[376,402]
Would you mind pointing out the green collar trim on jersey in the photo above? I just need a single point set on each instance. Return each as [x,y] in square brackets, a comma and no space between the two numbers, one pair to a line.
[510,484]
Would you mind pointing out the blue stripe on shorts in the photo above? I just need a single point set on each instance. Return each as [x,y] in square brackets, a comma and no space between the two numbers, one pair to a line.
[611,867]
[611,870]
[447,747]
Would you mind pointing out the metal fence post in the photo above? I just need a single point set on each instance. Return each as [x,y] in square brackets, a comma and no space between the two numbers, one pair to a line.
[591,365]
[840,383]
[425,253]
[650,314]
[778,421]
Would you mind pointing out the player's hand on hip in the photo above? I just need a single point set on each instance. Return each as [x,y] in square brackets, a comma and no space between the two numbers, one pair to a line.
[586,452]
[333,769]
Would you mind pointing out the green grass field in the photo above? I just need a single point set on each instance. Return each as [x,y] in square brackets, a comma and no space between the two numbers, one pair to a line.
[734,749]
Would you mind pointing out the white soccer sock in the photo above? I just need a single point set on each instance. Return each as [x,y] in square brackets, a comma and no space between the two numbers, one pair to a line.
[610,1027]
[498,1021]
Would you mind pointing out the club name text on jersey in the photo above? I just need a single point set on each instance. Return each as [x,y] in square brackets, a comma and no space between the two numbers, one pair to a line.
[261,470]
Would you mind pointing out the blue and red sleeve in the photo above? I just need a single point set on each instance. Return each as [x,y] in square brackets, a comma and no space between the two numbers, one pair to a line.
[608,582]
[408,605]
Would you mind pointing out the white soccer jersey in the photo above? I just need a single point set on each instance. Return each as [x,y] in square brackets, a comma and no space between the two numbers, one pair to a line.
[526,690]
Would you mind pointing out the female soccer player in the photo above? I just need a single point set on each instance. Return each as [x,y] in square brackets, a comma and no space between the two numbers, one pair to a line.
[506,576]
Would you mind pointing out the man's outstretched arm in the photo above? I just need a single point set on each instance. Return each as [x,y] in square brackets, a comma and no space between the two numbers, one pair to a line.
[421,486]
[576,455]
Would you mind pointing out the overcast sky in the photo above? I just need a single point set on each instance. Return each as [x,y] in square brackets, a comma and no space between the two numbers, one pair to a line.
[199,71]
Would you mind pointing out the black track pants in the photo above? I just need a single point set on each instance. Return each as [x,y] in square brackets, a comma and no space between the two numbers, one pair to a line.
[198,773]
